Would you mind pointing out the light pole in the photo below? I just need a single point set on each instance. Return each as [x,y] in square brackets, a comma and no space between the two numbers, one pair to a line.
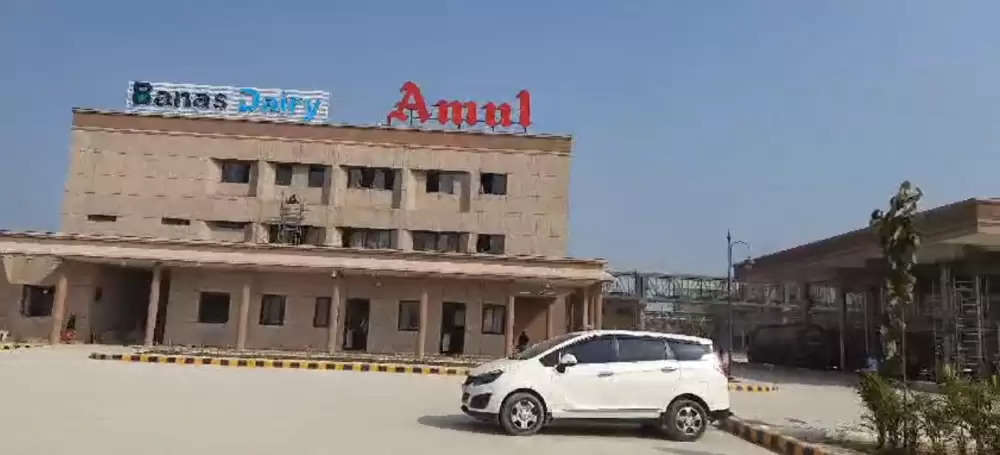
[729,290]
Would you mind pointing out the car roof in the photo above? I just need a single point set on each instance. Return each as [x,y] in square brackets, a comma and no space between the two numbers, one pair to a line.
[672,336]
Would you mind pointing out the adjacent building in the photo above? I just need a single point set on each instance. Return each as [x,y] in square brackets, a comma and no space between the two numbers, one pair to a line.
[259,234]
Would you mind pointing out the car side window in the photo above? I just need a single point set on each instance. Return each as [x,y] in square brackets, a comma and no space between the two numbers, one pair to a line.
[551,359]
[596,350]
[642,349]
[688,351]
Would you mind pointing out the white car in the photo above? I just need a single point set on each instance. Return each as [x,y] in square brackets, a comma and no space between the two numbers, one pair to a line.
[673,381]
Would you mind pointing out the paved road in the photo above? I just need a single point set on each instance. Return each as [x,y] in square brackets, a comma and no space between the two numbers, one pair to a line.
[55,401]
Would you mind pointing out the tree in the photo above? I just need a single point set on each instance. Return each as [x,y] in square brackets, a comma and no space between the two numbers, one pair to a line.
[899,241]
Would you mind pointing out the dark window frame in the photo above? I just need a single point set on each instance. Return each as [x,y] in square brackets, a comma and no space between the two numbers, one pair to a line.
[347,234]
[231,174]
[437,238]
[229,225]
[614,349]
[37,301]
[683,355]
[169,221]
[203,313]
[102,218]
[441,182]
[491,243]
[317,176]
[493,183]
[664,348]
[493,308]
[266,312]
[279,174]
[322,309]
[409,327]
[359,177]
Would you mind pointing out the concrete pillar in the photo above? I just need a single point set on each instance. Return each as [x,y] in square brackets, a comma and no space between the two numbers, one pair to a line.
[842,323]
[509,326]
[586,309]
[59,307]
[422,329]
[550,317]
[152,308]
[599,307]
[241,330]
[334,315]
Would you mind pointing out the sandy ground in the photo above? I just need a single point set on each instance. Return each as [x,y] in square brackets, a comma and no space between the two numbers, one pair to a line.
[811,405]
[54,401]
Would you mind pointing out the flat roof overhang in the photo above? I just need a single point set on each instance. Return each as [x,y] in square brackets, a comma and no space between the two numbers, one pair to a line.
[145,252]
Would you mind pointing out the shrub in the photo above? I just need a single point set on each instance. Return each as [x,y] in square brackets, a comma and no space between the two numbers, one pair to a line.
[884,408]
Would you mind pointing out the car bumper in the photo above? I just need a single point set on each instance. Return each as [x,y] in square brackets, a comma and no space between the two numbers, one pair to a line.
[481,399]
[721,414]
[479,415]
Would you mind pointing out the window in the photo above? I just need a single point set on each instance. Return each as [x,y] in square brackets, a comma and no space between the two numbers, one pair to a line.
[235,171]
[175,221]
[367,238]
[283,174]
[228,225]
[597,350]
[437,241]
[321,315]
[409,315]
[102,218]
[296,235]
[317,176]
[688,351]
[272,309]
[490,243]
[377,178]
[493,183]
[633,349]
[36,301]
[494,319]
[213,308]
[442,182]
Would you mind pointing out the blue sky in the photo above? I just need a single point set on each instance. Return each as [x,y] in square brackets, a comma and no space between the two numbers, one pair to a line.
[786,121]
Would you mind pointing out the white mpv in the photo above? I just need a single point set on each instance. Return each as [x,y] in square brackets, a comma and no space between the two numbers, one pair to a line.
[672,381]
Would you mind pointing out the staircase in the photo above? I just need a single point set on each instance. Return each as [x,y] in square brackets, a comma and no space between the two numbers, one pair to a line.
[969,325]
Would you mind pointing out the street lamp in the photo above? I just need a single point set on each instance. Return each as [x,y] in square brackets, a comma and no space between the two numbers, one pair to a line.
[729,288]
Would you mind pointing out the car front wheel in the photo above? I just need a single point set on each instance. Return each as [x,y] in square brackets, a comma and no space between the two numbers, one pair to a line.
[685,420]
[522,414]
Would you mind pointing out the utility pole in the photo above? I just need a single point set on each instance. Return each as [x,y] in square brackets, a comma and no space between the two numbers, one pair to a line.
[729,290]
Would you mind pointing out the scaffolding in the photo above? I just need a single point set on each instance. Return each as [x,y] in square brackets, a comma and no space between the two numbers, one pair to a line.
[288,227]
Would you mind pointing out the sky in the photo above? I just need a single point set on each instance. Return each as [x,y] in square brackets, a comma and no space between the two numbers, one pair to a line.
[784,121]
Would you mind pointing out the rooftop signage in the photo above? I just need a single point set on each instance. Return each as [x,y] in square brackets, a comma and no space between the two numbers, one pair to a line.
[225,101]
[412,107]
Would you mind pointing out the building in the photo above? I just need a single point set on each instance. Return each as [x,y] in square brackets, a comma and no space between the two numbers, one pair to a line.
[262,234]
[838,283]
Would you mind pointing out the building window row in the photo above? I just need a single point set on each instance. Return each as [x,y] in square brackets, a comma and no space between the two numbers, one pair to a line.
[213,308]
[361,177]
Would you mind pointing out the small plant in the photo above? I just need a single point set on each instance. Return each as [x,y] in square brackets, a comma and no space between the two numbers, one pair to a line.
[884,409]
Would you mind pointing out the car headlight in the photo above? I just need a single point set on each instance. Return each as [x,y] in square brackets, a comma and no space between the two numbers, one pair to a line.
[484,378]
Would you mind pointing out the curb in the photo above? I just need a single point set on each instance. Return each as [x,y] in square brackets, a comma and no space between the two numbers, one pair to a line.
[773,441]
[10,347]
[284,364]
[752,388]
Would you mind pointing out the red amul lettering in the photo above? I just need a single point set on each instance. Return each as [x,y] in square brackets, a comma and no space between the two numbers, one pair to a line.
[458,112]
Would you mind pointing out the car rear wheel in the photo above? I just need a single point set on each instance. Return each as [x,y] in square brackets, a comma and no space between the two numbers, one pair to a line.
[685,420]
[522,414]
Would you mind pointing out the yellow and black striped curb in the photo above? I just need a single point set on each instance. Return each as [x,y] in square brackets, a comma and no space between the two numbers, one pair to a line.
[11,347]
[280,363]
[773,441]
[738,387]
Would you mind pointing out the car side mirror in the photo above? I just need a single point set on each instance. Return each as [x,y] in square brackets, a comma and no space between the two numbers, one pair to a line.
[565,361]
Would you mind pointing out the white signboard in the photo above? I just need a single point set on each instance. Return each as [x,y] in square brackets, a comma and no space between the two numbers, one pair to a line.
[310,106]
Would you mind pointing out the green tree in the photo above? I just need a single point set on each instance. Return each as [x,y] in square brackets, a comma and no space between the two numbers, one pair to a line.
[900,241]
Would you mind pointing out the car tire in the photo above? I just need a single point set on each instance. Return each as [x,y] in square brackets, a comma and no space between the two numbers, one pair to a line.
[522,414]
[685,420]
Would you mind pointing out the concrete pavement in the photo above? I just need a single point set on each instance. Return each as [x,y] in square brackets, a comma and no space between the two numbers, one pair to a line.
[91,407]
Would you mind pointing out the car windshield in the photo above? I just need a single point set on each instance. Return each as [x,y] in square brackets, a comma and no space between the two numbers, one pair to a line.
[538,348]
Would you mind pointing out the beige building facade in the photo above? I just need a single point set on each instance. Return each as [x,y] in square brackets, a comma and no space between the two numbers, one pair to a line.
[250,234]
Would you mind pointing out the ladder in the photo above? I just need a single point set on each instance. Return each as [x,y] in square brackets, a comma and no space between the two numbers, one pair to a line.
[969,325]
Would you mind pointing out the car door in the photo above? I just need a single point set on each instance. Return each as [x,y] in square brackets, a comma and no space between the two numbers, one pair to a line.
[646,373]
[587,387]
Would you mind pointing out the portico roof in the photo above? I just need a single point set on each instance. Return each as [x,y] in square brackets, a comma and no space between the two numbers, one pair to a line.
[144,251]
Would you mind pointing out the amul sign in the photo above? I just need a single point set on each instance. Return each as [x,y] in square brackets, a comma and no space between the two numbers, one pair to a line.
[413,107]
[310,106]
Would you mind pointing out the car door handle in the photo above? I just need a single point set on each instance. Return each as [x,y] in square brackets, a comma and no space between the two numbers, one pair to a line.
[605,374]
[668,369]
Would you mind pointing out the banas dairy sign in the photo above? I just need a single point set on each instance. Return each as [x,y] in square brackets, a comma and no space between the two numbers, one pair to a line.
[310,106]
